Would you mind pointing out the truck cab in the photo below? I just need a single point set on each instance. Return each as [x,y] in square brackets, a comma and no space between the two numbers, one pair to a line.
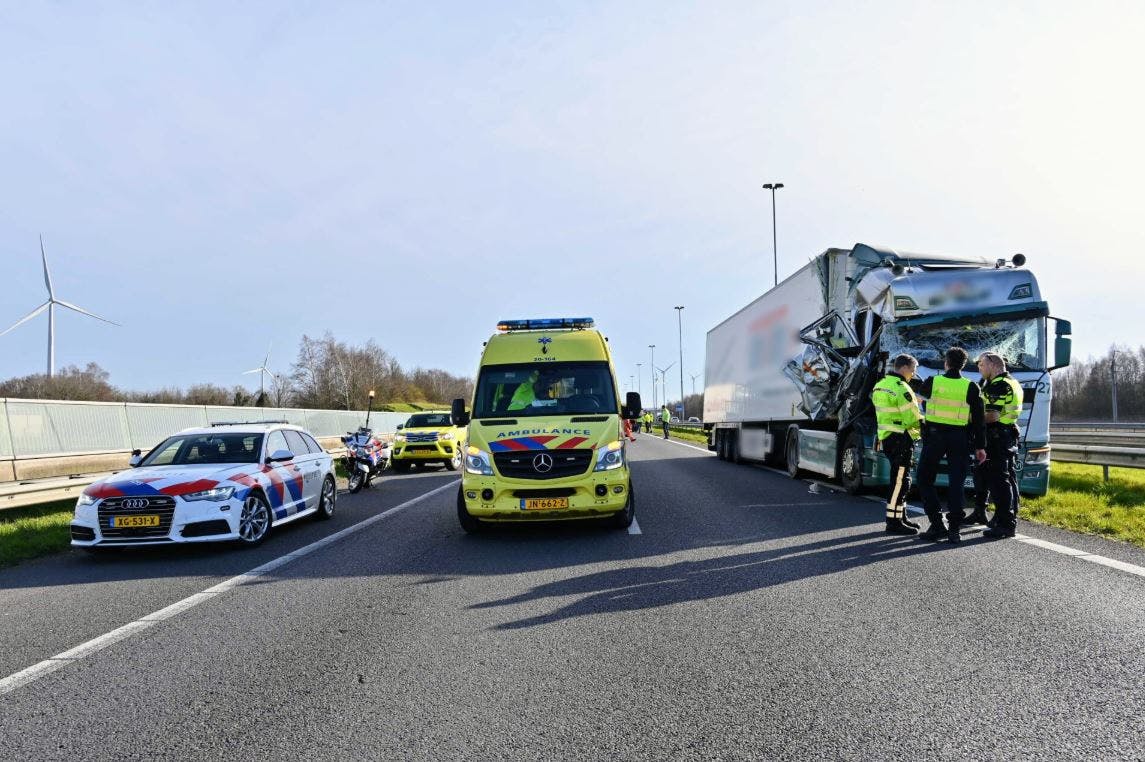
[545,428]
[428,437]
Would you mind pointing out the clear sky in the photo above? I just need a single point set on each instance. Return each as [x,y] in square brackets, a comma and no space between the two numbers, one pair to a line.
[219,179]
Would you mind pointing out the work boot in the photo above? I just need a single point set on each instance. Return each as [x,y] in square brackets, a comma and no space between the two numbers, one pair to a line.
[912,524]
[998,533]
[935,532]
[954,535]
[898,526]
[977,516]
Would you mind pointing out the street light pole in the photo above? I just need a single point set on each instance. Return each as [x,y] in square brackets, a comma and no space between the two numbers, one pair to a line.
[639,379]
[773,187]
[680,327]
[653,366]
[1113,379]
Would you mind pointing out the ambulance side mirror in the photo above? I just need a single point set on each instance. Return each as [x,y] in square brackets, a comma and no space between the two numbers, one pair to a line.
[632,406]
[457,413]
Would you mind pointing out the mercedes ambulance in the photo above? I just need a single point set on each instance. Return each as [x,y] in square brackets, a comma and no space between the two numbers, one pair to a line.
[545,428]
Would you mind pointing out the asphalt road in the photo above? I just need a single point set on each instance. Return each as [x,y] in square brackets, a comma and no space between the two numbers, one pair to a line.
[751,619]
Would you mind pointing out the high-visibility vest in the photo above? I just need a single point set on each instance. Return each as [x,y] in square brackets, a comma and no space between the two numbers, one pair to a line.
[665,416]
[947,404]
[896,409]
[1010,401]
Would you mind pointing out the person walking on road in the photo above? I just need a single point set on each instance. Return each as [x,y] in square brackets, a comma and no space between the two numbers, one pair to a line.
[1003,403]
[665,419]
[954,428]
[648,421]
[899,427]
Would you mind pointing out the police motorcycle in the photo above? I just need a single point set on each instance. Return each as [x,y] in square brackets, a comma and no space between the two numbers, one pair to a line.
[366,456]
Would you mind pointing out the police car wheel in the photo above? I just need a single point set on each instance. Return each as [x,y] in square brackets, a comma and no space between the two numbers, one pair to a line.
[254,520]
[327,500]
[468,522]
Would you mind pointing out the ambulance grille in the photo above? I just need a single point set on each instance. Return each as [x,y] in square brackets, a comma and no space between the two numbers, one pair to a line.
[519,464]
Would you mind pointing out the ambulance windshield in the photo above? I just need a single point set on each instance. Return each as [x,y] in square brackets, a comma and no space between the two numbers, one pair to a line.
[537,389]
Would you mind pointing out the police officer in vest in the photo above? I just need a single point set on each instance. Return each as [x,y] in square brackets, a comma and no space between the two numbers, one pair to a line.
[953,429]
[900,426]
[981,487]
[1003,403]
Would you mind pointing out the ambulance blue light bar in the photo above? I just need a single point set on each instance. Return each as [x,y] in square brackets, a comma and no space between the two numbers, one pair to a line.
[543,324]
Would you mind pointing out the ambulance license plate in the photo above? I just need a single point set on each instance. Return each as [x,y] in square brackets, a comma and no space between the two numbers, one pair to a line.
[544,504]
[134,521]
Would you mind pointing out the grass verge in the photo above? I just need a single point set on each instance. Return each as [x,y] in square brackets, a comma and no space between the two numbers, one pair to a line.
[1080,501]
[696,436]
[34,531]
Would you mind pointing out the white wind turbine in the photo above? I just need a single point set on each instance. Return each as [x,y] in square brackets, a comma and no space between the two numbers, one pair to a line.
[50,306]
[262,370]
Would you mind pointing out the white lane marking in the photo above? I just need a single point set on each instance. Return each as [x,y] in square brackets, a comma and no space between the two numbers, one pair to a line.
[1082,555]
[704,450]
[47,666]
[634,527]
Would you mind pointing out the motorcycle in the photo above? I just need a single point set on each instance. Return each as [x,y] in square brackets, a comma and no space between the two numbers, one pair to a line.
[366,457]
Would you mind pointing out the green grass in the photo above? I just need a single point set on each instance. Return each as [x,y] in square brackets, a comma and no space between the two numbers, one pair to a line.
[34,531]
[687,434]
[412,407]
[1079,500]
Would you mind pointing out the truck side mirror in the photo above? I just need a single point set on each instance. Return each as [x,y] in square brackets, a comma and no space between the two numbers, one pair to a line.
[457,413]
[632,406]
[1063,344]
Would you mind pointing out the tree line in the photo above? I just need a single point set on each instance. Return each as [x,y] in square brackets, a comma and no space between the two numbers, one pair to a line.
[1084,390]
[327,374]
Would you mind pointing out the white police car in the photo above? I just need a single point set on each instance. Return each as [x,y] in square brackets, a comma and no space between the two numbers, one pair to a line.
[225,482]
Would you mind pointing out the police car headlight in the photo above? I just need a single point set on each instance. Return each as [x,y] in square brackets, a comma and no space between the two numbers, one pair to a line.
[1038,457]
[477,462]
[84,499]
[218,494]
[445,436]
[610,457]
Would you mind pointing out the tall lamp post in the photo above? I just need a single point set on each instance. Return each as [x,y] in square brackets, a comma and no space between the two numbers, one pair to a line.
[652,365]
[773,187]
[639,379]
[680,328]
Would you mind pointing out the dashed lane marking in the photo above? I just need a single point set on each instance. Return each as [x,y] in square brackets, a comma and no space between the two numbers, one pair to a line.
[83,650]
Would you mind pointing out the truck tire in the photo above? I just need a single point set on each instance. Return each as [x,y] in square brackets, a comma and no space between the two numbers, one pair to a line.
[733,447]
[401,466]
[793,453]
[851,463]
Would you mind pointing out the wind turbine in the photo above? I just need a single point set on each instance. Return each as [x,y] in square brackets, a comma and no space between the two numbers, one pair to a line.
[262,370]
[664,381]
[50,306]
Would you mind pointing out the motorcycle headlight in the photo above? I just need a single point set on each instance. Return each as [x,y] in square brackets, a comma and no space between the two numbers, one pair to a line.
[218,494]
[1038,457]
[445,436]
[477,462]
[610,457]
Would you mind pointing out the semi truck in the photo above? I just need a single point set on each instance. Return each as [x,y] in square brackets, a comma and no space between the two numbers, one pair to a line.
[788,377]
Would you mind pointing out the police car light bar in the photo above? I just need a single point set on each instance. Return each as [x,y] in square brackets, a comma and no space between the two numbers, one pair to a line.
[541,324]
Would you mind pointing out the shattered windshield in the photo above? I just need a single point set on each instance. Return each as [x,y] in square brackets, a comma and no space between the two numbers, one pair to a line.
[1020,342]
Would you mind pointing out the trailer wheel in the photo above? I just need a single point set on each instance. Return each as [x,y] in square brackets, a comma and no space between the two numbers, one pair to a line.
[851,463]
[793,453]
[733,447]
[721,445]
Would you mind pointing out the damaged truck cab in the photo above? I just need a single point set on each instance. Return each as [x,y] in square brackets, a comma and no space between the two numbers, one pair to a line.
[788,377]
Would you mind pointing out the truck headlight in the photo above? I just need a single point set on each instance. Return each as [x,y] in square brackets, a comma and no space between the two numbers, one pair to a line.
[477,462]
[1038,457]
[217,495]
[610,457]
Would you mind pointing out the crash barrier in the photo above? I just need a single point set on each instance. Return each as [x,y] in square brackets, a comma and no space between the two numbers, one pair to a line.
[1099,444]
[46,438]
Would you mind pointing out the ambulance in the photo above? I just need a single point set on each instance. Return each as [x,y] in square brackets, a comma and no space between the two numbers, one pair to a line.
[545,429]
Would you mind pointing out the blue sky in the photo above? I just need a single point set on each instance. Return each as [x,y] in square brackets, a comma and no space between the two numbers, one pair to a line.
[217,180]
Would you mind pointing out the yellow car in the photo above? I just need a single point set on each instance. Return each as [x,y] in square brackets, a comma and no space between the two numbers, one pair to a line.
[545,437]
[428,438]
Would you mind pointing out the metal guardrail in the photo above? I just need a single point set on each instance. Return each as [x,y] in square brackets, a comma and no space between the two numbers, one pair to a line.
[1099,444]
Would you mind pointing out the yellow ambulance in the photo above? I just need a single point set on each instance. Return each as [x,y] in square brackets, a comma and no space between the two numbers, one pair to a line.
[545,428]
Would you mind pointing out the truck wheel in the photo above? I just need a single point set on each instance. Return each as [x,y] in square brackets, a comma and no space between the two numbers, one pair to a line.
[401,466]
[722,445]
[623,519]
[733,447]
[469,523]
[851,463]
[793,453]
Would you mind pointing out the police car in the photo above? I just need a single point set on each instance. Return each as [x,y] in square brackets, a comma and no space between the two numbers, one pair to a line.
[225,482]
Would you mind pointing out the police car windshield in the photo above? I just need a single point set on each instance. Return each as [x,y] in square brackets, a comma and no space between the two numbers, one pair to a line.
[428,420]
[199,449]
[536,389]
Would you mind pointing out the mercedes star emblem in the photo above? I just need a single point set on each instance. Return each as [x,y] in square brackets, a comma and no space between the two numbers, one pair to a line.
[543,463]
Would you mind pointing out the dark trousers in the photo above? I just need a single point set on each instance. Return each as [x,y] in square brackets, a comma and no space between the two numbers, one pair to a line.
[938,442]
[899,449]
[982,488]
[665,424]
[636,427]
[1000,476]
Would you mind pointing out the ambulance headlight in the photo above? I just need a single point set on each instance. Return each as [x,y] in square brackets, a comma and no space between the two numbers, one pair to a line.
[477,462]
[610,457]
[445,437]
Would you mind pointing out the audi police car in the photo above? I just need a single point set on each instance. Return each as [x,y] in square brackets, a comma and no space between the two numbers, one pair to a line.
[225,482]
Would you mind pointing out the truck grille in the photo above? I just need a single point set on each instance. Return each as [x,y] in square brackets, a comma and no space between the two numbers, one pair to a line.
[429,437]
[523,464]
[161,506]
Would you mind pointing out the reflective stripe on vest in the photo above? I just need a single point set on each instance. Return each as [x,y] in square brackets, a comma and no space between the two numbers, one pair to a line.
[1011,403]
[947,404]
[895,412]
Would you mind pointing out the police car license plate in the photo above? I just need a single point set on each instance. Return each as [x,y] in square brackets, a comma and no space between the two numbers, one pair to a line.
[134,521]
[544,504]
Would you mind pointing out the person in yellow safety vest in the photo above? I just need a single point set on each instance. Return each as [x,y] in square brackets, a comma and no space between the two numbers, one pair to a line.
[953,429]
[1003,405]
[525,393]
[899,427]
[648,421]
[665,419]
